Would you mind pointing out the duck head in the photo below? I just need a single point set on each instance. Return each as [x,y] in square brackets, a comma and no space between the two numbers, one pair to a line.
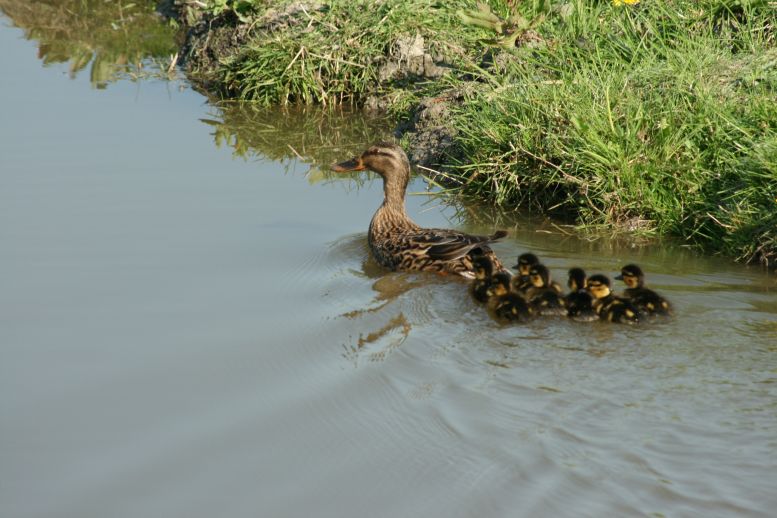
[483,267]
[632,276]
[525,262]
[389,161]
[539,275]
[599,286]
[501,284]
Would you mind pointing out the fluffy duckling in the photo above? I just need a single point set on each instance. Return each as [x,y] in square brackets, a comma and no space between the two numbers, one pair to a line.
[505,304]
[607,305]
[484,271]
[521,282]
[544,294]
[579,301]
[644,298]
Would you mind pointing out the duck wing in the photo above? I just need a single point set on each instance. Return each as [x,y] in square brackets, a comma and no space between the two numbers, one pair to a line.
[448,245]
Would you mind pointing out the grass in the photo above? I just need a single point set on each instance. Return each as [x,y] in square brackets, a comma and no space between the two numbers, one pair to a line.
[336,52]
[660,117]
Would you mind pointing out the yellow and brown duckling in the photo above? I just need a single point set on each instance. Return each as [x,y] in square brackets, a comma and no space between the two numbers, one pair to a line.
[579,301]
[504,303]
[607,305]
[395,240]
[484,271]
[647,300]
[521,282]
[544,295]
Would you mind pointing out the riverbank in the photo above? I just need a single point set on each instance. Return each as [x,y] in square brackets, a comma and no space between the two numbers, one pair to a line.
[658,118]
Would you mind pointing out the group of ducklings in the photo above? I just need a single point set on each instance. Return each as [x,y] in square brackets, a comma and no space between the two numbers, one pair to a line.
[531,292]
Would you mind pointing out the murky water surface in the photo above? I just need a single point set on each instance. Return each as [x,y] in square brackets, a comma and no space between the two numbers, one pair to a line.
[191,325]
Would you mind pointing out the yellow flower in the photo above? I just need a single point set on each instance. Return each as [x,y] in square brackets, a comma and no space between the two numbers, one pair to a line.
[624,2]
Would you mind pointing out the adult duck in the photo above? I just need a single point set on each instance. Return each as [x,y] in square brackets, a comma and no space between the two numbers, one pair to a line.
[396,241]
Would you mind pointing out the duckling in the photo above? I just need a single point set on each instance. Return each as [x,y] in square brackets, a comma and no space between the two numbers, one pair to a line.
[607,305]
[579,301]
[544,294]
[503,303]
[484,270]
[521,282]
[644,298]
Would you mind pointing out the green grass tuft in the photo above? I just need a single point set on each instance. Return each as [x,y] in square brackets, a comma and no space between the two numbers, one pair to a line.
[661,118]
[333,53]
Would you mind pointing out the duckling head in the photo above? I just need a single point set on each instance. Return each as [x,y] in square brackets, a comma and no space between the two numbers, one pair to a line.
[483,266]
[577,279]
[501,284]
[599,286]
[632,276]
[539,275]
[525,262]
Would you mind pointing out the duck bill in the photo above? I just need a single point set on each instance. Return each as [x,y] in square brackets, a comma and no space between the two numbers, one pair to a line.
[354,164]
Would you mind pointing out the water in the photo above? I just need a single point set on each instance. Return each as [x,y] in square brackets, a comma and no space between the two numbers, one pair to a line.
[196,330]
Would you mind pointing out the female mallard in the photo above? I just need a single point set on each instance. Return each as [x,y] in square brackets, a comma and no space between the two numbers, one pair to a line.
[395,240]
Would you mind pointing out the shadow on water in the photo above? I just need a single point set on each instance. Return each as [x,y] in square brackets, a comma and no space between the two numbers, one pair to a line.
[114,39]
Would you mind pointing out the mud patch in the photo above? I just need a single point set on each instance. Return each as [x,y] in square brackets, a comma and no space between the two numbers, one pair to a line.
[432,137]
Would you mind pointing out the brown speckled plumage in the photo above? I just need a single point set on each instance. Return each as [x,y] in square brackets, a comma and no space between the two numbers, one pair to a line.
[395,240]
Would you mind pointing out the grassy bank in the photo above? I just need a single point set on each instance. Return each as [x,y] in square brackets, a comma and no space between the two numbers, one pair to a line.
[661,118]
[657,117]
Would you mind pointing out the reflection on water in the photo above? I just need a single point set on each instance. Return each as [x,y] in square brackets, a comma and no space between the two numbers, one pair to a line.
[320,137]
[186,334]
[111,37]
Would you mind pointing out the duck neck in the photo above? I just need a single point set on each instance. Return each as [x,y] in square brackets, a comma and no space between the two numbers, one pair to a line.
[391,213]
[394,189]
